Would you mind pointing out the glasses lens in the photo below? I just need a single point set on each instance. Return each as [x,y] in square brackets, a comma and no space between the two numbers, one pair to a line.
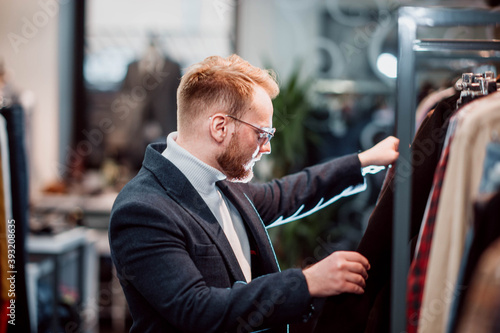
[264,138]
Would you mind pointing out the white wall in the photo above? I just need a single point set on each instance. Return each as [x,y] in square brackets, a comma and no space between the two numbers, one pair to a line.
[279,32]
[29,47]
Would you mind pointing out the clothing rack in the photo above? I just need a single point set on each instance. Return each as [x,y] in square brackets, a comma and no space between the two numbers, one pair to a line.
[412,49]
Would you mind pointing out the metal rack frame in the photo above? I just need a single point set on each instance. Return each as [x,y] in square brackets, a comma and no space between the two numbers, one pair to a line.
[411,49]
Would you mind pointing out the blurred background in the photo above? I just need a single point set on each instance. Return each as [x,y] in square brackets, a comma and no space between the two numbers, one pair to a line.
[95,82]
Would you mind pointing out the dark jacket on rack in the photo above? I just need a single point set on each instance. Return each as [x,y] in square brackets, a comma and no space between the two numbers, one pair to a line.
[147,103]
[370,312]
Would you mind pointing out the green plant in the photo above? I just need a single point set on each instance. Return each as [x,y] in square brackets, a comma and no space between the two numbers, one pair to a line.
[296,241]
[291,110]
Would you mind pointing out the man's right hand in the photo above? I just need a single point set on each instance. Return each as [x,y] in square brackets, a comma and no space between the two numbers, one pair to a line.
[340,272]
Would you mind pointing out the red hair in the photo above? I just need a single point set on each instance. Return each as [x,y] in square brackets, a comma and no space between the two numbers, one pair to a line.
[223,83]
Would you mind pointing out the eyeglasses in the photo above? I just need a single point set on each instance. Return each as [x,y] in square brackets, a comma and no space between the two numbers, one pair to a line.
[265,133]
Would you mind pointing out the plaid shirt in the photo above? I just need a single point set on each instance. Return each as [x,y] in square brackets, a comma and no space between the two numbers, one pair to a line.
[418,267]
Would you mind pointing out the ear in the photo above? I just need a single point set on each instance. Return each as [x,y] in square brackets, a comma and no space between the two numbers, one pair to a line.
[219,127]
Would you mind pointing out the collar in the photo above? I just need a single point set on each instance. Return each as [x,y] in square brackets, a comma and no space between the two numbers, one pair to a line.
[201,175]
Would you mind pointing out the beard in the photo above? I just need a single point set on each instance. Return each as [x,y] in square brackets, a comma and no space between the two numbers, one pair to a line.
[237,164]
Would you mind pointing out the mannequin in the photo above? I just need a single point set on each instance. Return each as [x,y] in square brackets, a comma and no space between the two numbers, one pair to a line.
[146,108]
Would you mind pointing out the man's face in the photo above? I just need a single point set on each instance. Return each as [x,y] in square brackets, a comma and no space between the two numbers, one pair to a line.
[236,162]
[244,150]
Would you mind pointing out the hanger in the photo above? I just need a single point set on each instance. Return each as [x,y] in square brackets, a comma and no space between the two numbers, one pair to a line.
[472,86]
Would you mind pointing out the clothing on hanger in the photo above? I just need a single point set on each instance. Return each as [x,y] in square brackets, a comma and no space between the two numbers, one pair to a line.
[490,181]
[471,87]
[418,266]
[460,187]
[146,108]
[430,101]
[481,308]
[485,230]
[14,116]
[5,210]
[4,283]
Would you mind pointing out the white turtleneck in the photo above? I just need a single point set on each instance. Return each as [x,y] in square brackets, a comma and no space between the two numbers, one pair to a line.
[203,177]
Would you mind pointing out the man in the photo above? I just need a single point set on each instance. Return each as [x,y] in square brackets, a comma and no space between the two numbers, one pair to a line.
[188,235]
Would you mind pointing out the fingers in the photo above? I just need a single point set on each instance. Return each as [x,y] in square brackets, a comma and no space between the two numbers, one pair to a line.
[388,152]
[393,144]
[383,153]
[396,143]
[351,271]
[354,283]
[355,257]
[356,268]
[353,289]
[342,271]
[348,282]
[390,142]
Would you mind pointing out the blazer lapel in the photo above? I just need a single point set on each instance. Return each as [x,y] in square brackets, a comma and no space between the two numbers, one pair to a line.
[180,189]
[192,202]
[254,223]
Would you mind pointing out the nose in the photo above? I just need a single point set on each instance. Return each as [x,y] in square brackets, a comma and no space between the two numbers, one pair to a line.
[265,149]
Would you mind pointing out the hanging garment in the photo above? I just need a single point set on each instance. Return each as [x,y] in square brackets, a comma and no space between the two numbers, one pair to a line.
[486,231]
[14,117]
[4,151]
[4,268]
[145,109]
[370,312]
[418,266]
[481,234]
[490,181]
[482,303]
[5,206]
[430,101]
[460,187]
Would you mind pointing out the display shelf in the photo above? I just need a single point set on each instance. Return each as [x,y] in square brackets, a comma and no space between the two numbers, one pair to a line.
[54,255]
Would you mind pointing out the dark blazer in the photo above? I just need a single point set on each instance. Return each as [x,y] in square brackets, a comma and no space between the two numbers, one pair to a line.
[177,268]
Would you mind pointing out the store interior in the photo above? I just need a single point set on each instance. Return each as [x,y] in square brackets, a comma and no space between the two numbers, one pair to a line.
[86,85]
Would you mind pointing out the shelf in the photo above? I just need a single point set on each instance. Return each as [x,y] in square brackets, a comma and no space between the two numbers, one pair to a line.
[471,49]
[55,244]
[437,16]
[67,255]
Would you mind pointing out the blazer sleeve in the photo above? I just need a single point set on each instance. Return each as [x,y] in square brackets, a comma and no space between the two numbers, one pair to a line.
[303,192]
[150,251]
